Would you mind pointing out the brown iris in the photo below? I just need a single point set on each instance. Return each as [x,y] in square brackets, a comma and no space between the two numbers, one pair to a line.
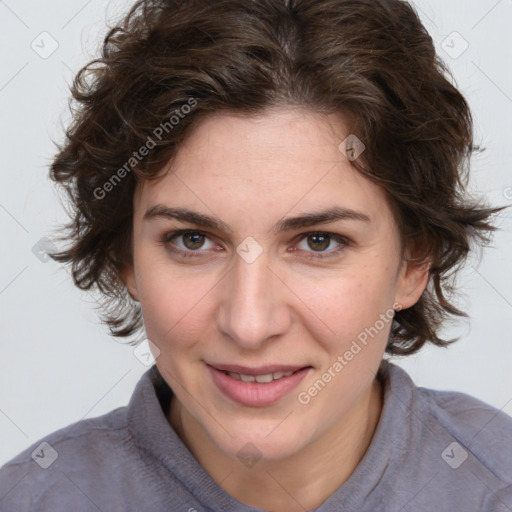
[193,240]
[320,242]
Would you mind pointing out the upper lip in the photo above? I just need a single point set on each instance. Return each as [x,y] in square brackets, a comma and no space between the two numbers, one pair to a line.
[259,370]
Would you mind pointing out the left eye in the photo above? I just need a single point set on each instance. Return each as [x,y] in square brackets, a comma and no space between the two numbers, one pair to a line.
[321,242]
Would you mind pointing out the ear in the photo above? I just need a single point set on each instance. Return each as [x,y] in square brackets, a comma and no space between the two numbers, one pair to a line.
[412,281]
[128,277]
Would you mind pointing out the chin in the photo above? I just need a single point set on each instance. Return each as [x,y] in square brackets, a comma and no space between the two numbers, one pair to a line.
[252,444]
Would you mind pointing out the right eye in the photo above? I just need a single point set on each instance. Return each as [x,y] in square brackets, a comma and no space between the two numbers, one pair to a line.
[188,242]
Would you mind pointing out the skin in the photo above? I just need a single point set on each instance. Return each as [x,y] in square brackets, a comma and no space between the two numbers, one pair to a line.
[289,306]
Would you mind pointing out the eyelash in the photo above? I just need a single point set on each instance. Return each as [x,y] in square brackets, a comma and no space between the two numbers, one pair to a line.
[318,255]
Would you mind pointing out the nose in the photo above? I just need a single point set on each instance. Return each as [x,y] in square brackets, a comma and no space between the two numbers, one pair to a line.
[253,307]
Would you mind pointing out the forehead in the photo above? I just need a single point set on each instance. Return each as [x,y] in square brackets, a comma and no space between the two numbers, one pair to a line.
[264,142]
[280,161]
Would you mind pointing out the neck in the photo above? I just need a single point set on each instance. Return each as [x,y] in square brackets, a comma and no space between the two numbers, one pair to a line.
[300,482]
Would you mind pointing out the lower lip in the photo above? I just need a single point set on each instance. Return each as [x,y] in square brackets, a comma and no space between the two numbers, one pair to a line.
[255,394]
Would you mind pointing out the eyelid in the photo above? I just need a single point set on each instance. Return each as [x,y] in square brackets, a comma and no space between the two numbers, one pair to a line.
[167,238]
[175,234]
[333,236]
[343,242]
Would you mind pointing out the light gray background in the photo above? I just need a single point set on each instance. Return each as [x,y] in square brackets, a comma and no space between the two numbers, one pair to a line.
[58,364]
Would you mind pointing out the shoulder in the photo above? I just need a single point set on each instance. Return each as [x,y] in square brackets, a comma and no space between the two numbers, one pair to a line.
[112,462]
[453,444]
[93,445]
[481,428]
[94,432]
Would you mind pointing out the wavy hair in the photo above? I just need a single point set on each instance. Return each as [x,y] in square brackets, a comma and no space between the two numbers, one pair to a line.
[170,63]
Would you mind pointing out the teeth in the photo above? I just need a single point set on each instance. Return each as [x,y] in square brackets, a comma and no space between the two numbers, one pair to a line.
[268,377]
[264,378]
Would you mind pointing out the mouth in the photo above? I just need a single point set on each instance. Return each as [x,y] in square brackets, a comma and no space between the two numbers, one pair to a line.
[261,379]
[257,386]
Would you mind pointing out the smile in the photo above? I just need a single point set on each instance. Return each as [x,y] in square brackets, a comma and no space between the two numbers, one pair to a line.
[265,378]
[256,387]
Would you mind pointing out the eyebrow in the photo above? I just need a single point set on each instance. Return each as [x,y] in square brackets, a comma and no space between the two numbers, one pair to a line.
[322,217]
[185,215]
[287,224]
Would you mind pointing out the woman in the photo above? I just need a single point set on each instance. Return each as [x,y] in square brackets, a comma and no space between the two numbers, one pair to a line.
[273,191]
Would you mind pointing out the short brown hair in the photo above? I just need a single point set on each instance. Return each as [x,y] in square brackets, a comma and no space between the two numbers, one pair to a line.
[370,59]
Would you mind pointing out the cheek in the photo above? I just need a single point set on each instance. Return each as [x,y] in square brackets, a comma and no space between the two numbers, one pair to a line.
[173,304]
[356,293]
[350,301]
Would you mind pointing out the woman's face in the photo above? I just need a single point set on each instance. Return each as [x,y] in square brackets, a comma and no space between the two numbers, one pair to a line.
[260,253]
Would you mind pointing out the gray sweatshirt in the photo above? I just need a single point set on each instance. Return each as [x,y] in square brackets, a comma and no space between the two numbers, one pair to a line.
[432,451]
